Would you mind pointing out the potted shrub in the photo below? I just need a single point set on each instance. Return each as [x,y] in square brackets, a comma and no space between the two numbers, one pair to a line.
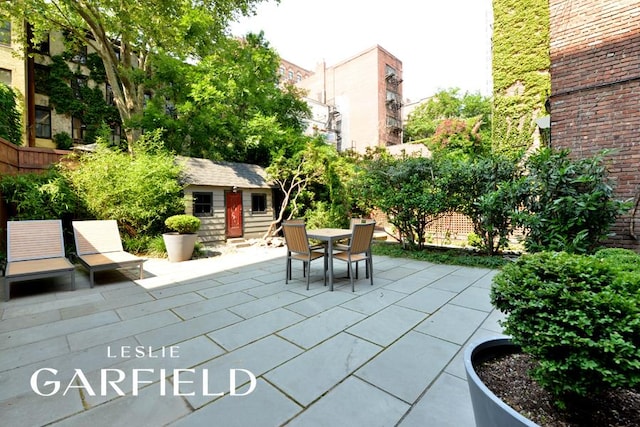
[181,240]
[577,317]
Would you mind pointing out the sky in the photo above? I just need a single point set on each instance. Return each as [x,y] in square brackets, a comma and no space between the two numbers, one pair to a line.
[442,43]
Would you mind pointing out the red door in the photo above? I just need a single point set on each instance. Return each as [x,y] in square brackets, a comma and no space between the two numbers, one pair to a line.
[234,214]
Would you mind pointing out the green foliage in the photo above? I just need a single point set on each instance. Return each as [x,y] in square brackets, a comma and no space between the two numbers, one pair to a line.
[569,204]
[409,191]
[10,119]
[228,106]
[579,317]
[439,255]
[488,191]
[63,140]
[521,79]
[183,224]
[46,195]
[452,123]
[149,245]
[142,190]
[79,100]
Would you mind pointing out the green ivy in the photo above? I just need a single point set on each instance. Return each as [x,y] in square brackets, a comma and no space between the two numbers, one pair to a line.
[521,79]
[10,120]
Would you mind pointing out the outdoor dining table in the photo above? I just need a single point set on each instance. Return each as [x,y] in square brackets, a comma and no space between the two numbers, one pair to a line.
[329,235]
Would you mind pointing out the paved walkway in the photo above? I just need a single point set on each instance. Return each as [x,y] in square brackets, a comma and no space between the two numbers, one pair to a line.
[385,355]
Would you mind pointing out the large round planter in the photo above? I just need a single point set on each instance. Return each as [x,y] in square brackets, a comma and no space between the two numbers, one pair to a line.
[488,409]
[179,246]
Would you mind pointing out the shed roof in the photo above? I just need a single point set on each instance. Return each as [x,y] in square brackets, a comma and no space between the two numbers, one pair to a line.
[223,174]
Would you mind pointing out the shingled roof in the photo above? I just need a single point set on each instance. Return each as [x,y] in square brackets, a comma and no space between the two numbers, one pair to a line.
[223,174]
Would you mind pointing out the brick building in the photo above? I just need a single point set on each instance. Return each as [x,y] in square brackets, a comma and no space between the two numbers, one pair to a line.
[595,92]
[363,95]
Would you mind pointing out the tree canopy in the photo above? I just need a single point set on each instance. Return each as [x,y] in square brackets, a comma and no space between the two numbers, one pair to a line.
[127,35]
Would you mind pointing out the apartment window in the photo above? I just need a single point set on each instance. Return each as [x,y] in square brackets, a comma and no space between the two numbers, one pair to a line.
[5,32]
[5,76]
[281,70]
[389,70]
[202,204]
[80,55]
[109,97]
[77,83]
[43,122]
[290,75]
[77,129]
[43,46]
[41,78]
[258,203]
[299,77]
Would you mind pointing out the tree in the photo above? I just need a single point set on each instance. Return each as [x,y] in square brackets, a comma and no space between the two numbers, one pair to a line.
[449,121]
[127,35]
[228,106]
[10,120]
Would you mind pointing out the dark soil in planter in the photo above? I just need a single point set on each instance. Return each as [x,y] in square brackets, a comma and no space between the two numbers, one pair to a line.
[507,377]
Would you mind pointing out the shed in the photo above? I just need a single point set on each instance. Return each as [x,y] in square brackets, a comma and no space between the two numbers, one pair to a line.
[233,200]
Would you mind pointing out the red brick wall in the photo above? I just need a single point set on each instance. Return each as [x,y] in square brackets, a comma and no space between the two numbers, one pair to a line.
[595,92]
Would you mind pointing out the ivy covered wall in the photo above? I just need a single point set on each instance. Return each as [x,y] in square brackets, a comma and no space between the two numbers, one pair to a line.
[521,79]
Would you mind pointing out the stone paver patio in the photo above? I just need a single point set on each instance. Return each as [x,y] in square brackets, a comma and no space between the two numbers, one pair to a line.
[386,355]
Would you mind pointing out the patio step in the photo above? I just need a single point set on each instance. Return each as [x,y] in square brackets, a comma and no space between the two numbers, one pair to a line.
[238,242]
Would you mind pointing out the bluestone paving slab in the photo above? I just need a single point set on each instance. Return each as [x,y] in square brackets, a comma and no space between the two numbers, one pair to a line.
[212,305]
[262,305]
[447,403]
[29,309]
[265,406]
[111,304]
[373,301]
[96,336]
[492,322]
[30,409]
[155,306]
[456,366]
[317,303]
[353,403]
[28,321]
[396,273]
[16,357]
[407,367]
[55,329]
[150,407]
[310,375]
[187,329]
[184,288]
[258,357]
[228,288]
[244,332]
[265,290]
[453,323]
[320,327]
[427,299]
[413,282]
[474,297]
[452,283]
[386,326]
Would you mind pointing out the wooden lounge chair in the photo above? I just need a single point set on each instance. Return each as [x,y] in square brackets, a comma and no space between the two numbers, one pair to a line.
[35,250]
[359,249]
[99,247]
[298,248]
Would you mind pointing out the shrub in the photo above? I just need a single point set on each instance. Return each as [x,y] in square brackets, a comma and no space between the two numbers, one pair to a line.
[569,203]
[47,195]
[63,140]
[578,316]
[183,224]
[142,189]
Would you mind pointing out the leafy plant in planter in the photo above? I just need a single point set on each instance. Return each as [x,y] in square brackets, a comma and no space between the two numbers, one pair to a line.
[578,316]
[181,241]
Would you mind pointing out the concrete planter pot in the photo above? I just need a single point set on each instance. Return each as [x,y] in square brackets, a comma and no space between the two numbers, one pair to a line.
[179,246]
[488,409]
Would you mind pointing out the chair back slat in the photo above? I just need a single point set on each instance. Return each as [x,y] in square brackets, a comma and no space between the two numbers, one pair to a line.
[34,239]
[362,235]
[97,236]
[295,234]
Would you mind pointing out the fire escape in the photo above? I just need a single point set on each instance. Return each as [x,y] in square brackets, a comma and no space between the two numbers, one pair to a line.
[393,107]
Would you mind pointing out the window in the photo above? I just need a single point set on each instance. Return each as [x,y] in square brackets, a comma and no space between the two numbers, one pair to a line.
[258,202]
[43,46]
[281,70]
[202,204]
[41,79]
[299,77]
[109,97]
[43,122]
[77,129]
[80,55]
[77,83]
[5,76]
[5,32]
[290,74]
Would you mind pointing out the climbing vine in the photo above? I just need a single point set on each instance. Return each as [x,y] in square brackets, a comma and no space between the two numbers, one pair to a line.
[521,79]
[71,94]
